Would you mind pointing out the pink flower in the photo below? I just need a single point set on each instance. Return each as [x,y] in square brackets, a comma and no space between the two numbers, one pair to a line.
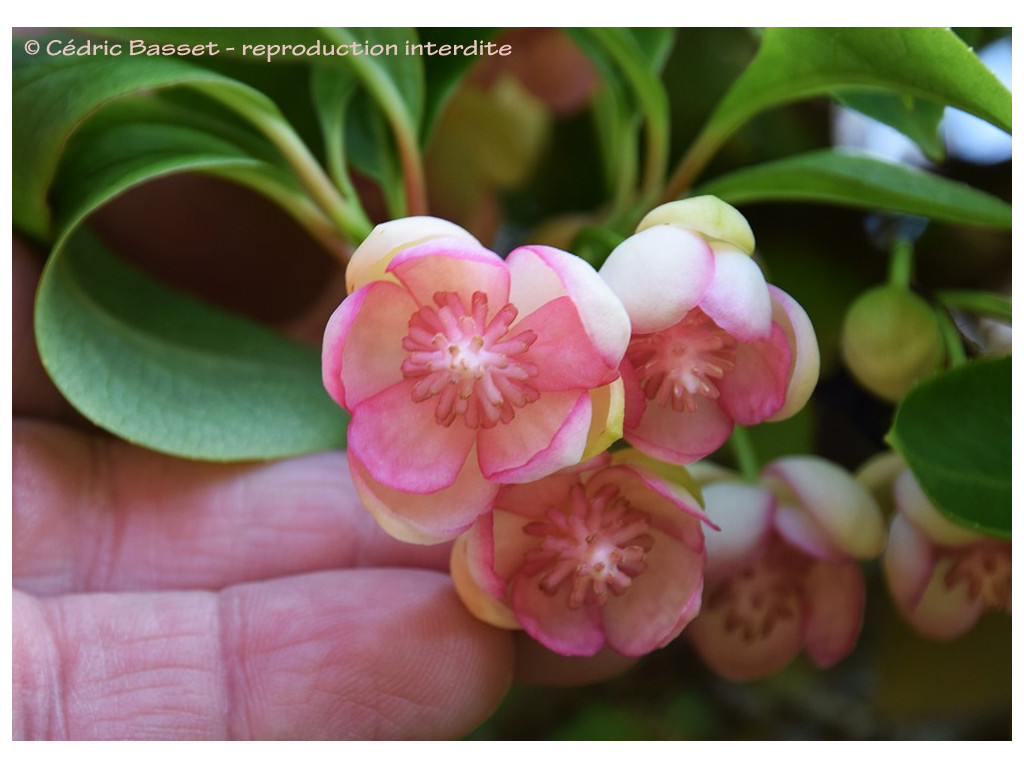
[712,343]
[782,573]
[942,576]
[463,371]
[600,554]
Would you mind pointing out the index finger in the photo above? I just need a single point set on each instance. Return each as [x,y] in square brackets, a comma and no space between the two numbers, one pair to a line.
[92,513]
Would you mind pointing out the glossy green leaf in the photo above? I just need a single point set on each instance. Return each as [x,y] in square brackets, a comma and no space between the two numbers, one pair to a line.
[53,95]
[932,64]
[928,63]
[332,90]
[169,373]
[848,178]
[953,430]
[916,119]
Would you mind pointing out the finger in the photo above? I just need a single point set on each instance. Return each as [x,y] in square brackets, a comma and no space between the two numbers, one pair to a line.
[92,513]
[369,654]
[32,392]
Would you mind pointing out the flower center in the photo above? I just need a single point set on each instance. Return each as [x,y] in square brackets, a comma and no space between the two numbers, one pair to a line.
[763,596]
[472,365]
[597,547]
[986,569]
[681,363]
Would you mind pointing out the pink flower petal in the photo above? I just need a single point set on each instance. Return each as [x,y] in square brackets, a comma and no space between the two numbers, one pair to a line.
[425,518]
[402,445]
[744,514]
[835,611]
[541,274]
[543,437]
[363,353]
[803,344]
[636,403]
[480,590]
[452,265]
[549,620]
[563,354]
[834,499]
[756,387]
[911,501]
[736,656]
[510,542]
[532,500]
[907,563]
[681,437]
[660,274]
[804,533]
[943,613]
[371,258]
[660,602]
[737,298]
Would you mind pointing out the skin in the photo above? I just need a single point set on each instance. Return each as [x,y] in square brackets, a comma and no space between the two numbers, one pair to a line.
[157,598]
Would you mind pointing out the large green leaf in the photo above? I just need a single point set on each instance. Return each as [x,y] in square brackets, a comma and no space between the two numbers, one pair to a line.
[166,372]
[916,119]
[928,63]
[853,179]
[932,64]
[953,430]
[53,95]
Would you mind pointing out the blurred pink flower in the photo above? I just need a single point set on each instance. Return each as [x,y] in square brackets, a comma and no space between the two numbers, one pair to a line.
[712,344]
[463,371]
[782,573]
[600,554]
[942,576]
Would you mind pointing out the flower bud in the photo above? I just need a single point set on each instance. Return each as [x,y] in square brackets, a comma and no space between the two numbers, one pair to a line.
[891,340]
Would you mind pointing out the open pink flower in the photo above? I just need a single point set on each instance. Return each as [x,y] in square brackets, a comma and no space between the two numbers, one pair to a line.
[712,344]
[782,573]
[942,576]
[599,554]
[462,371]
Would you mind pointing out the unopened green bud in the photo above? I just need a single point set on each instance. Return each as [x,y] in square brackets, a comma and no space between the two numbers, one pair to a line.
[891,340]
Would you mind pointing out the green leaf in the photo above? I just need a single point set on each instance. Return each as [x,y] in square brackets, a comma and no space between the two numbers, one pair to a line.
[133,141]
[629,61]
[848,178]
[53,95]
[953,430]
[797,63]
[927,63]
[916,119]
[169,373]
[332,90]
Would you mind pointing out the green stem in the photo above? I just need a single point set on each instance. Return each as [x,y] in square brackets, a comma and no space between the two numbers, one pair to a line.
[347,214]
[693,162]
[901,263]
[654,104]
[981,302]
[951,338]
[384,92]
[743,450]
